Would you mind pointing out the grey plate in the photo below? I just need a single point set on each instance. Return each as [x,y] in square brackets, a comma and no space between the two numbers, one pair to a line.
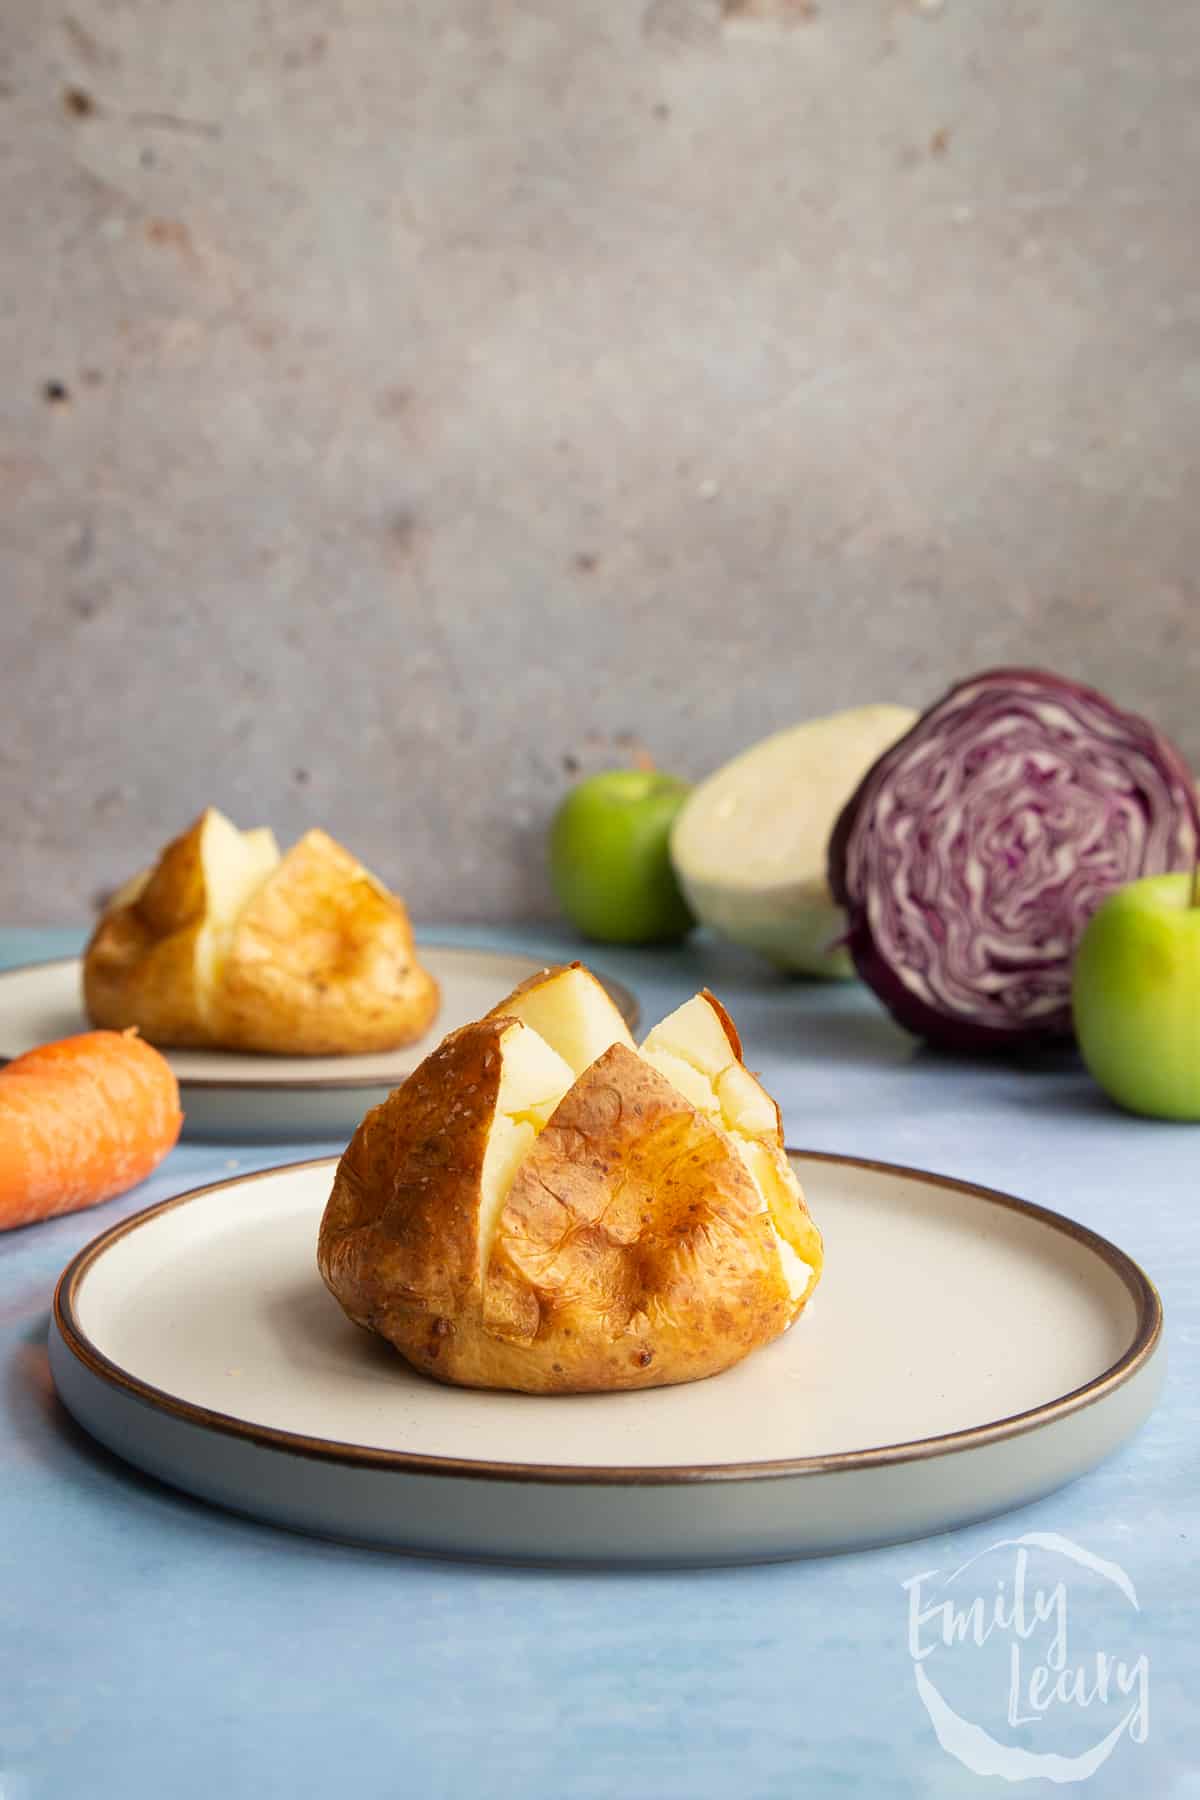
[197,1340]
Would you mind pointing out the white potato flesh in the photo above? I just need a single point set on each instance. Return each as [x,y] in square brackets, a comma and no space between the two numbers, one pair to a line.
[533,1079]
[772,1172]
[686,1079]
[691,1048]
[696,1034]
[261,848]
[235,865]
[745,1102]
[575,1016]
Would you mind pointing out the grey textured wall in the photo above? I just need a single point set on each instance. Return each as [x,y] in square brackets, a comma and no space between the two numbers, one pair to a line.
[403,402]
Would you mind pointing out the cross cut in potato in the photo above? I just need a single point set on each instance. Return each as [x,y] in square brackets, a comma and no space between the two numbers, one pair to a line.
[541,1206]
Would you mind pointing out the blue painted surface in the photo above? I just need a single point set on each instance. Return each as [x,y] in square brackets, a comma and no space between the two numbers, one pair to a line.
[154,1647]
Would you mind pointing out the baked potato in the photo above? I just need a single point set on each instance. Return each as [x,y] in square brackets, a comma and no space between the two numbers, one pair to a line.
[226,944]
[544,1207]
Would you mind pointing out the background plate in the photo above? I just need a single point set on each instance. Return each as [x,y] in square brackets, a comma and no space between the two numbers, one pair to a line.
[966,1352]
[231,1096]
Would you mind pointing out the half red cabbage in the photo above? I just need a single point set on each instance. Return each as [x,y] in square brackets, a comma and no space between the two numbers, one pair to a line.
[975,850]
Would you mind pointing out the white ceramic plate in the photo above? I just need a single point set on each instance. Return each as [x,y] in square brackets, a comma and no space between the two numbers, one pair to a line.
[231,1096]
[966,1352]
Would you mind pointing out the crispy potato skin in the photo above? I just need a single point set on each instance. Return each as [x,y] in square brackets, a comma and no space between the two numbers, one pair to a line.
[139,968]
[320,962]
[631,1252]
[727,1024]
[398,1243]
[536,980]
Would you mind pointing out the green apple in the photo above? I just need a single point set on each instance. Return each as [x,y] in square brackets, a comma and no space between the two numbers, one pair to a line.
[1136,997]
[610,861]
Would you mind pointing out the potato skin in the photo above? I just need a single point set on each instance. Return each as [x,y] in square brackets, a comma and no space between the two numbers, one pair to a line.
[536,980]
[139,967]
[322,962]
[398,1243]
[631,1252]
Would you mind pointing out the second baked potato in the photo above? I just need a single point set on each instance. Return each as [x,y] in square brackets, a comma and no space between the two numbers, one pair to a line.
[226,944]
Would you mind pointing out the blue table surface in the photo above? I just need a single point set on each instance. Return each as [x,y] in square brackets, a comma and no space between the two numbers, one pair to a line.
[153,1646]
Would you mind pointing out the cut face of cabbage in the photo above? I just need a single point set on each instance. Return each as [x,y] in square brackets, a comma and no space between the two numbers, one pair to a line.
[749,846]
[975,851]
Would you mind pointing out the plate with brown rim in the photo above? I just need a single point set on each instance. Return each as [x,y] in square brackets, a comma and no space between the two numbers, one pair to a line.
[228,1095]
[967,1352]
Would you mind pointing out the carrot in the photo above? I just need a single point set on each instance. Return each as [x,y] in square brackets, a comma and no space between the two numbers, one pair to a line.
[81,1120]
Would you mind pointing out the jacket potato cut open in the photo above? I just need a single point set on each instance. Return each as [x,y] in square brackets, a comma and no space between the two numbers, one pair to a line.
[509,1219]
[226,944]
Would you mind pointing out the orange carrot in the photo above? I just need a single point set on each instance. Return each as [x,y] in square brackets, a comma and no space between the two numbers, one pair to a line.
[81,1120]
